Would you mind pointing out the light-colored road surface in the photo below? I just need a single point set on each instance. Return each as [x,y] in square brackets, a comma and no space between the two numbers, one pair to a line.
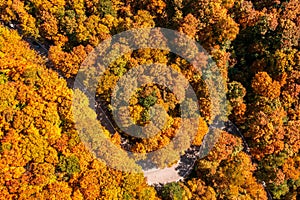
[166,175]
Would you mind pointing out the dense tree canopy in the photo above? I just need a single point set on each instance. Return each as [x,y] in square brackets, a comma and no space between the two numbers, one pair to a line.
[255,45]
[41,154]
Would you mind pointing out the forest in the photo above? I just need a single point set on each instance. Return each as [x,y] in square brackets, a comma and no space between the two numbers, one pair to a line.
[255,45]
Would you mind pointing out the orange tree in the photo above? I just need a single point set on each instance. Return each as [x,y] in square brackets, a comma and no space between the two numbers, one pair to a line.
[41,153]
[267,64]
[255,44]
[225,173]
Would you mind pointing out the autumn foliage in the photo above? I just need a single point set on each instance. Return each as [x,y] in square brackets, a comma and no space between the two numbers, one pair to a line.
[255,45]
[41,154]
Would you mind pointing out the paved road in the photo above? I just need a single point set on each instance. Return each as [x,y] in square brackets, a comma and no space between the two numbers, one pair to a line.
[166,175]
